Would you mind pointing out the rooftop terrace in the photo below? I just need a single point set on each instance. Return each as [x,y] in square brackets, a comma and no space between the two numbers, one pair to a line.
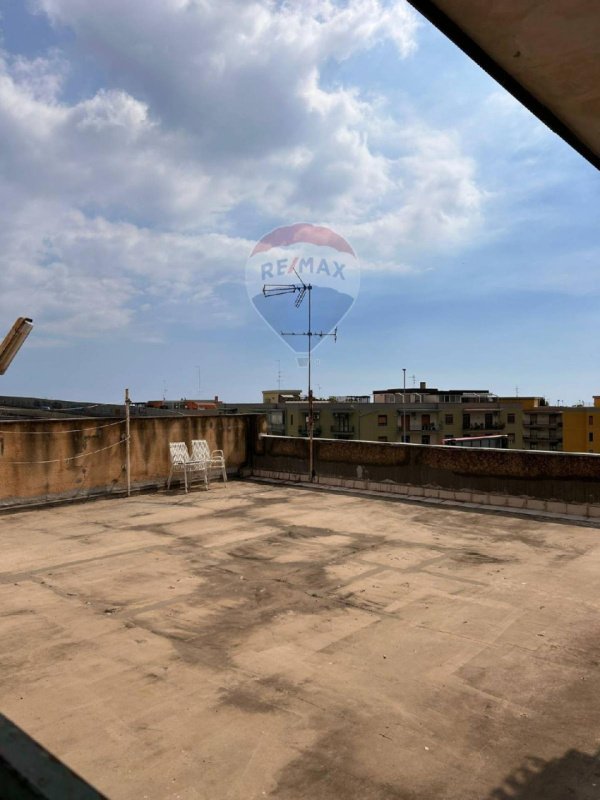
[270,641]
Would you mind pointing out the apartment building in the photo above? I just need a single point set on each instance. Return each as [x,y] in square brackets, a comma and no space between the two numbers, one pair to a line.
[427,415]
[571,429]
[431,416]
[581,428]
[419,416]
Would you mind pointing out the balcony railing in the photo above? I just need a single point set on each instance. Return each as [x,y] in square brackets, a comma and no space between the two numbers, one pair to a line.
[480,426]
[542,436]
[342,429]
[304,431]
[542,423]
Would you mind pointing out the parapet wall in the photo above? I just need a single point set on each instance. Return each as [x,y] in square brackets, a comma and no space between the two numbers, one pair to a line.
[566,483]
[45,460]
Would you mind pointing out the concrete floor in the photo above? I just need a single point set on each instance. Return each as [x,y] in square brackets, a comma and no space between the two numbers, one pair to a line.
[263,641]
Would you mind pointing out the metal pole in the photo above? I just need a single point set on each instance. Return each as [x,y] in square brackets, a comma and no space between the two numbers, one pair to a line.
[127,442]
[310,397]
[404,404]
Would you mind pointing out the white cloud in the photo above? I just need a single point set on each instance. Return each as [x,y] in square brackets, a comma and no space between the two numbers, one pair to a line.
[126,201]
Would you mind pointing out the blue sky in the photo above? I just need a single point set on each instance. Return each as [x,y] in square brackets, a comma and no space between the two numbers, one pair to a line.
[147,145]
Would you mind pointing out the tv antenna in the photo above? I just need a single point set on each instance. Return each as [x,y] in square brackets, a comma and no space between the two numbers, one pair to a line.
[302,289]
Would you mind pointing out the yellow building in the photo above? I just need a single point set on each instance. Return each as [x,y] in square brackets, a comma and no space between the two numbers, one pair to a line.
[581,428]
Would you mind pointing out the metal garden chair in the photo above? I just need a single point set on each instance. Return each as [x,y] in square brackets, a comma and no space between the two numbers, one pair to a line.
[181,462]
[215,459]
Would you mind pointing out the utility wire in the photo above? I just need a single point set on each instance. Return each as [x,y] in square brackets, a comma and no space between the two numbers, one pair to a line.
[70,458]
[71,430]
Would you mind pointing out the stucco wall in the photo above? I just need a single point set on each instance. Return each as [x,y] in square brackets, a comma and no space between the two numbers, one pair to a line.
[568,477]
[81,457]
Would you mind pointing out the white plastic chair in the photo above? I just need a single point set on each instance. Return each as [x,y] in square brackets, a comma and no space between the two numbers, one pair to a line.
[215,460]
[181,462]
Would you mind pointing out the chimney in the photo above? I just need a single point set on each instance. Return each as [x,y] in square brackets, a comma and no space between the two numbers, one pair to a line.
[423,385]
[216,398]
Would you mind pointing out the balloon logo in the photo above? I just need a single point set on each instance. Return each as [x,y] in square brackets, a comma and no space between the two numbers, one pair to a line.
[310,254]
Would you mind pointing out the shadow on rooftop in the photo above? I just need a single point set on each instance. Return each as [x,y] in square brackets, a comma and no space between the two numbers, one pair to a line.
[30,772]
[573,776]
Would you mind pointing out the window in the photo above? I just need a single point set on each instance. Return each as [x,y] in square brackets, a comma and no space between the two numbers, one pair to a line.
[591,436]
[510,418]
[590,420]
[382,419]
[449,419]
[291,419]
[425,439]
[382,438]
[511,438]
[341,422]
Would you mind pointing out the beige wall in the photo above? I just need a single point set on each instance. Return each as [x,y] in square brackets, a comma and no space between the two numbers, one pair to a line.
[61,459]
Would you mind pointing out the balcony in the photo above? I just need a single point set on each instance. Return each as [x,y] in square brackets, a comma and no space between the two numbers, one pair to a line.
[430,426]
[304,431]
[419,407]
[533,422]
[342,429]
[542,436]
[480,426]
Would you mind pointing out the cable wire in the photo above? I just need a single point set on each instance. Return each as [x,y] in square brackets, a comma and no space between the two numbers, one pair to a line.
[69,458]
[71,430]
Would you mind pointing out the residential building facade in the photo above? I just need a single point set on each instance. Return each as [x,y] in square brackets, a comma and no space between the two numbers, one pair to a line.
[418,416]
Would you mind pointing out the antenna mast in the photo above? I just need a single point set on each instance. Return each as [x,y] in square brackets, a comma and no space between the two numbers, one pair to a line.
[302,289]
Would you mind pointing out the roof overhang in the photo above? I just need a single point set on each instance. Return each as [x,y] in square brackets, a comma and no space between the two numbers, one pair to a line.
[546,54]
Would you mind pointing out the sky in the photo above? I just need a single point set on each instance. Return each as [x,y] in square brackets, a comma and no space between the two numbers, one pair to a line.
[146,146]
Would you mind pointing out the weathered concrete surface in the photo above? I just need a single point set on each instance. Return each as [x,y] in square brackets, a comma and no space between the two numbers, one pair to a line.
[259,641]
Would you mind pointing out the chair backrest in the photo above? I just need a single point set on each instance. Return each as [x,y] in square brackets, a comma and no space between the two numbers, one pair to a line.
[200,450]
[179,452]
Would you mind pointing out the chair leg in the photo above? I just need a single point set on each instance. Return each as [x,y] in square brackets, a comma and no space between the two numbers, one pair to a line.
[169,478]
[224,472]
[185,479]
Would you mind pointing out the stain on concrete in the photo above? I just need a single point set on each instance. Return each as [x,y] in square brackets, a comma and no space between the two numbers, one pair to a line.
[474,557]
[329,769]
[261,695]
[250,589]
